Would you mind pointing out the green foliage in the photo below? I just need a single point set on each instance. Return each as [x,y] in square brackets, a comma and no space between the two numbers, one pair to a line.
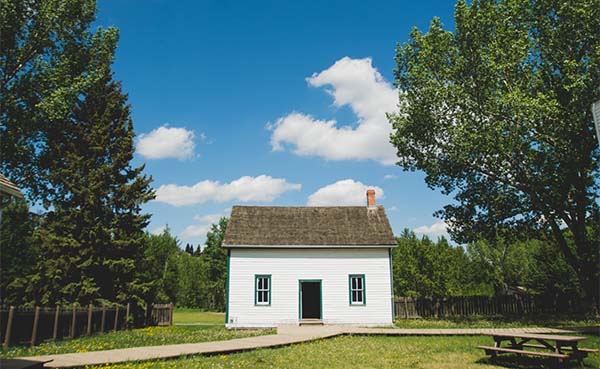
[423,268]
[18,253]
[215,258]
[192,282]
[504,264]
[92,239]
[67,139]
[498,115]
[161,264]
[188,280]
[48,57]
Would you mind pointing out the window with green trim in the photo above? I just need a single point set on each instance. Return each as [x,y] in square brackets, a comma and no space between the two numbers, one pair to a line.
[262,290]
[357,289]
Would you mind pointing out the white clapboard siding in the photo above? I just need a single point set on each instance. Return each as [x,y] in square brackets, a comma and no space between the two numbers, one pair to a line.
[288,266]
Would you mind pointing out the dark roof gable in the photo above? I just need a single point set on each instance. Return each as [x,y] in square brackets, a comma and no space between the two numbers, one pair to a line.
[286,226]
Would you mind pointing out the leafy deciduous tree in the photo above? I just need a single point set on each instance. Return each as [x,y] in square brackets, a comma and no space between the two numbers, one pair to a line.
[498,114]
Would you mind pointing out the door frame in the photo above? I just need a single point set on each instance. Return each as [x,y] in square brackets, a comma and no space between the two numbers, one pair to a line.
[300,281]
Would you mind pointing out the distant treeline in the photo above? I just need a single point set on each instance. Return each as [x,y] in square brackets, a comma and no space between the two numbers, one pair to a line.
[429,269]
[190,278]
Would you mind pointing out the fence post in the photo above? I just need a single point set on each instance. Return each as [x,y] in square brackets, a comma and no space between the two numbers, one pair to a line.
[73,319]
[89,320]
[127,315]
[405,308]
[171,313]
[116,317]
[11,314]
[103,319]
[56,317]
[36,318]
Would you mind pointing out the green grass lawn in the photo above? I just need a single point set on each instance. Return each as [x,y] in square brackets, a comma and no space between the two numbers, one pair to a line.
[457,352]
[196,316]
[206,326]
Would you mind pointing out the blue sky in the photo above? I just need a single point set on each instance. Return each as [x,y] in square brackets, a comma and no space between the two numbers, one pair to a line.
[268,103]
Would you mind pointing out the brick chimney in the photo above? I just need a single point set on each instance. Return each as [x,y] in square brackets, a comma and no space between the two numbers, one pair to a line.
[370,198]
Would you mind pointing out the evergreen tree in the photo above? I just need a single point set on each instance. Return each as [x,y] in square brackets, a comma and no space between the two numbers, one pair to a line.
[93,239]
[18,251]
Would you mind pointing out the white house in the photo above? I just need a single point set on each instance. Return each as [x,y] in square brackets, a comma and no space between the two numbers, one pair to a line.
[323,265]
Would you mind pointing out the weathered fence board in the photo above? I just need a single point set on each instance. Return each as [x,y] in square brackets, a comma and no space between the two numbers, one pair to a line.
[32,325]
[162,314]
[409,307]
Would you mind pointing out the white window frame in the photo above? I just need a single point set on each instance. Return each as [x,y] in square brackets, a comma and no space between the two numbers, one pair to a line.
[259,293]
[362,291]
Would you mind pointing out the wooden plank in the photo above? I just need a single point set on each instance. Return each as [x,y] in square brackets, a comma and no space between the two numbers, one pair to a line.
[89,320]
[565,348]
[9,323]
[535,336]
[489,349]
[36,319]
[103,319]
[73,321]
[56,318]
[116,318]
[127,315]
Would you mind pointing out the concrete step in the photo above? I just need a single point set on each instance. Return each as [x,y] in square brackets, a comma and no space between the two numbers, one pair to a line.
[311,322]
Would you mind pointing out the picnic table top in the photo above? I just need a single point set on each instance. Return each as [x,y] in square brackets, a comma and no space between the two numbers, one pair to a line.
[547,337]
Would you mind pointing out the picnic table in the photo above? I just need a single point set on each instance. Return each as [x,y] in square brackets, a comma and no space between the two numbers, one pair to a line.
[559,347]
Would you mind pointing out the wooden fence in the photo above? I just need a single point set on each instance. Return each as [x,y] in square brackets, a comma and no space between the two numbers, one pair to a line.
[162,314]
[26,325]
[407,307]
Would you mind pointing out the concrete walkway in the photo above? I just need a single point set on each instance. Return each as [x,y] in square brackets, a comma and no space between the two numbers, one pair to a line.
[286,335]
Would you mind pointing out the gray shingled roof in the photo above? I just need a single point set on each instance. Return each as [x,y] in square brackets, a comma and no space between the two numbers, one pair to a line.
[8,187]
[285,226]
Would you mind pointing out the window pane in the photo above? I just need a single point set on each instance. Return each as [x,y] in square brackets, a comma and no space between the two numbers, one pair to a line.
[359,283]
[266,296]
[353,283]
[259,283]
[266,283]
[359,297]
[353,296]
[258,297]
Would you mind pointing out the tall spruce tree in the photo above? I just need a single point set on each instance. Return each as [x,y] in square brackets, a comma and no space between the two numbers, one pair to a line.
[93,238]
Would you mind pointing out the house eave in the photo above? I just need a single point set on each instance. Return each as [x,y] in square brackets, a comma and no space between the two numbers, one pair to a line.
[385,246]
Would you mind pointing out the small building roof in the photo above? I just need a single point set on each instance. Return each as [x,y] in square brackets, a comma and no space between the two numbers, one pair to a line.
[9,188]
[300,227]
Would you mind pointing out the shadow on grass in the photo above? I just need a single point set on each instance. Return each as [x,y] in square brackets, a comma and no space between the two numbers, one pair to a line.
[525,362]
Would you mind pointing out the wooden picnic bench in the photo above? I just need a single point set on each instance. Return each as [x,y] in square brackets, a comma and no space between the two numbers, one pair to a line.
[558,347]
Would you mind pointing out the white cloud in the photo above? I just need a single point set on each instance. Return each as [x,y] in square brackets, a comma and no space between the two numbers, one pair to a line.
[393,208]
[356,83]
[389,176]
[343,193]
[195,231]
[166,142]
[437,229]
[205,222]
[244,189]
[158,230]
[212,218]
